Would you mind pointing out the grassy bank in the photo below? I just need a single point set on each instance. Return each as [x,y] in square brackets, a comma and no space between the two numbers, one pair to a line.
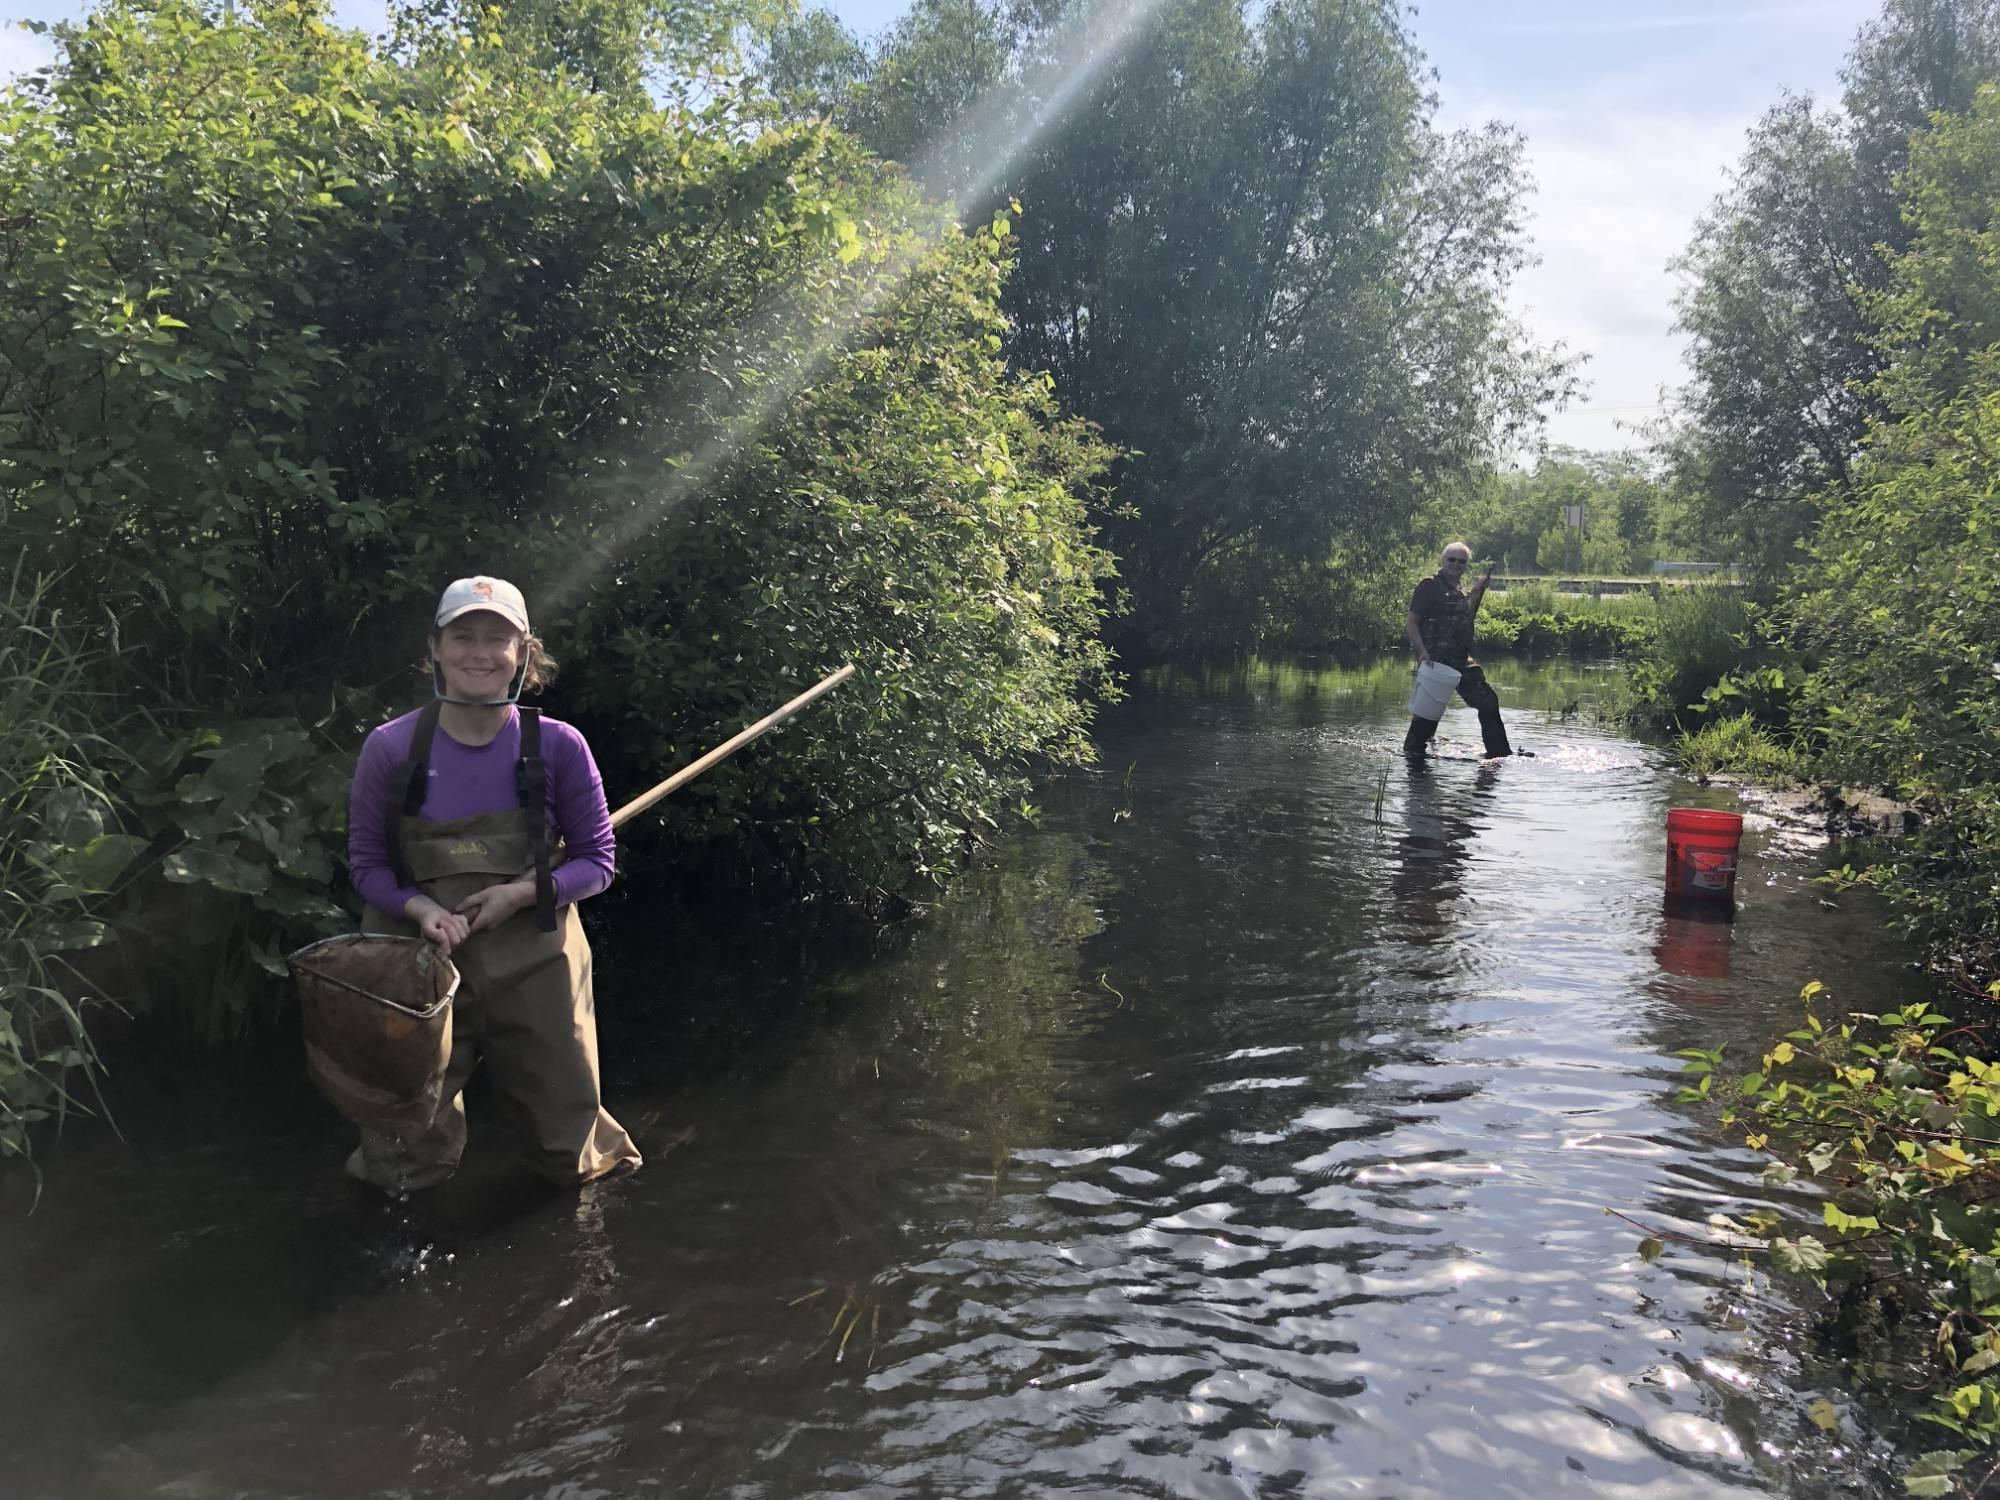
[1742,749]
[1535,620]
[1888,1106]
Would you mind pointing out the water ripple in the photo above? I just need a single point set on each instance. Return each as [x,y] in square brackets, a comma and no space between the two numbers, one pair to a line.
[1250,1129]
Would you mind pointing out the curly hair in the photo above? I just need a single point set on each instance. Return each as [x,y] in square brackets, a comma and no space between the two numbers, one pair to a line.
[541,665]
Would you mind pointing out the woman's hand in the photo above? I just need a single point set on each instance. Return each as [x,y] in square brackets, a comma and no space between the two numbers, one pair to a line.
[494,905]
[446,929]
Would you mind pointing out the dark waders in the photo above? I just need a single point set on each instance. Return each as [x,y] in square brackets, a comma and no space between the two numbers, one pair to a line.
[524,1005]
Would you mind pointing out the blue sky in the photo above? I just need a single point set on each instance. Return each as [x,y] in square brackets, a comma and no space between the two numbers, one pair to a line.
[1633,112]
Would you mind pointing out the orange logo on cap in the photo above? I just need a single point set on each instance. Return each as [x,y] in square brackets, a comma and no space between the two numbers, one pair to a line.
[483,589]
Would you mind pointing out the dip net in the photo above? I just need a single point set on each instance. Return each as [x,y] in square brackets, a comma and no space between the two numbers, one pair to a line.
[376,1011]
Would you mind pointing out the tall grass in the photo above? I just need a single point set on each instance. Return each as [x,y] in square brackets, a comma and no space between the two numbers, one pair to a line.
[1741,747]
[58,853]
[1701,633]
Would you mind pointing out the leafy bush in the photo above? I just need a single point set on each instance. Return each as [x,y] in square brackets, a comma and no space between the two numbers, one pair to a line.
[1766,695]
[1906,692]
[1352,599]
[297,330]
[1899,604]
[1701,634]
[184,859]
[245,822]
[1536,621]
[922,518]
[1536,598]
[1896,1117]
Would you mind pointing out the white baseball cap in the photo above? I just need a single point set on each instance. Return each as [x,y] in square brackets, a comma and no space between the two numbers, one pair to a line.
[494,594]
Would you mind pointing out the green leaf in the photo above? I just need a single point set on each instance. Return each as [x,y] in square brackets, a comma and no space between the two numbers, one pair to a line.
[1804,1256]
[71,937]
[72,815]
[212,867]
[1984,1276]
[1842,1222]
[1931,1474]
[96,866]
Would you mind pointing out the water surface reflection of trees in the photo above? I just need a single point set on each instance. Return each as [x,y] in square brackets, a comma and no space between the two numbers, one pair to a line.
[967,1021]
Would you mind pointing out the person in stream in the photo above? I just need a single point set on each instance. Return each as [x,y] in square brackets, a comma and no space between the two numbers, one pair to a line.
[450,837]
[1440,629]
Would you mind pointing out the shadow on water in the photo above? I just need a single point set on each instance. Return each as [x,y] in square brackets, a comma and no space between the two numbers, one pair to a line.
[1246,1128]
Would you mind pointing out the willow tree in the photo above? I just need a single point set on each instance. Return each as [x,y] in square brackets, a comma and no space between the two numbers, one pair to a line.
[1247,252]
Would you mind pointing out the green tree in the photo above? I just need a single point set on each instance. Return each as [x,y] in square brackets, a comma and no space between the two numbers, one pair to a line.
[1900,603]
[1781,272]
[621,47]
[814,66]
[1522,517]
[1593,549]
[1249,255]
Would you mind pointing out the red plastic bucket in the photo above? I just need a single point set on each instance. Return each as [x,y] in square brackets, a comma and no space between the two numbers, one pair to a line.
[1701,853]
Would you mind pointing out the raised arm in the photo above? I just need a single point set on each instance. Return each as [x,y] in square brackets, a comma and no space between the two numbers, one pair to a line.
[1478,592]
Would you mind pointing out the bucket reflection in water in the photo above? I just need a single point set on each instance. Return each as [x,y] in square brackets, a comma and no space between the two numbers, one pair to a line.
[1695,941]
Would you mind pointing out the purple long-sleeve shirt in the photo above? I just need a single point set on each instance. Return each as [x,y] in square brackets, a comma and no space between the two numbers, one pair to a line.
[468,779]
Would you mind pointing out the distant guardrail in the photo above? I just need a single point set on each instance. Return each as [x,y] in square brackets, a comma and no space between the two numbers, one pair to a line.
[1651,584]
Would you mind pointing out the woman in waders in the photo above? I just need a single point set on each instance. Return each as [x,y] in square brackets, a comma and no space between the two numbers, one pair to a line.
[449,836]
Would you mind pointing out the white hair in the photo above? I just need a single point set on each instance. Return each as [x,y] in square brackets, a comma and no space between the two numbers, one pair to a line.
[1451,547]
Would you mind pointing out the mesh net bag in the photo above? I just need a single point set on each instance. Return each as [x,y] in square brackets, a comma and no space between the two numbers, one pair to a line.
[376,1011]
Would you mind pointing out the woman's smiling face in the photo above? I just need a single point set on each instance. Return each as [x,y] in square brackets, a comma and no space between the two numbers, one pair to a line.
[479,653]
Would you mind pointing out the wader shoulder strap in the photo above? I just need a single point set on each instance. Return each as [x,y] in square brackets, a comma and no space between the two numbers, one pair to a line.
[531,781]
[407,788]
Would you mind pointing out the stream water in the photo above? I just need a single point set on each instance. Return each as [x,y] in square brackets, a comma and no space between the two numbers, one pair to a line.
[1257,1124]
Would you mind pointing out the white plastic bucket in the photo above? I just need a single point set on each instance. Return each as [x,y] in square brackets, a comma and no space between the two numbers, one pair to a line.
[1435,684]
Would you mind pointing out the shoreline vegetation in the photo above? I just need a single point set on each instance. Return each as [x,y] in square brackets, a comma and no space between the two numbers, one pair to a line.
[744,361]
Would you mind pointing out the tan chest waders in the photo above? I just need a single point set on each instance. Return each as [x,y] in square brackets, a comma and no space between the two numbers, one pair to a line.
[524,1002]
